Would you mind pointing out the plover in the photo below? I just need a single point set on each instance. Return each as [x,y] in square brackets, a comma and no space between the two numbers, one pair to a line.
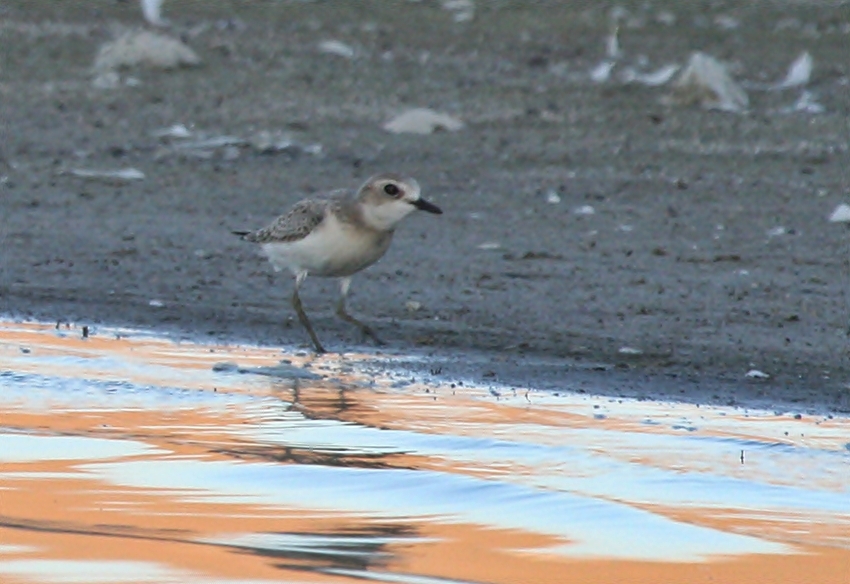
[339,234]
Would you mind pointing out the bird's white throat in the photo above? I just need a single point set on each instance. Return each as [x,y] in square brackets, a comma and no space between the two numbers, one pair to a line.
[386,216]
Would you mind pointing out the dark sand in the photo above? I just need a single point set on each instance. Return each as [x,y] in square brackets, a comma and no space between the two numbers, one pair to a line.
[677,261]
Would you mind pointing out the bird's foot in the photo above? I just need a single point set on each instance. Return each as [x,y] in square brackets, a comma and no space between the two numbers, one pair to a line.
[369,332]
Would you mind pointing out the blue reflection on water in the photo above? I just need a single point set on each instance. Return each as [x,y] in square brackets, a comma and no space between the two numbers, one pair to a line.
[26,448]
[598,528]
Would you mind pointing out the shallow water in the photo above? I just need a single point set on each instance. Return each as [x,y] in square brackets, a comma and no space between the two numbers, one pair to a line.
[126,458]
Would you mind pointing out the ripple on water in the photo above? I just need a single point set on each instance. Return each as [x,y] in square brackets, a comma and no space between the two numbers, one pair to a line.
[582,473]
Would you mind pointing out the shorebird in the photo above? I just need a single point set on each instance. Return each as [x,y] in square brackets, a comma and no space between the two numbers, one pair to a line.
[337,235]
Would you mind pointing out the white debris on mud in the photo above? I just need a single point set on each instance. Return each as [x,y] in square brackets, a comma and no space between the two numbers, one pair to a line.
[462,10]
[267,142]
[422,121]
[143,48]
[756,374]
[178,140]
[841,214]
[799,73]
[706,82]
[806,104]
[602,72]
[629,351]
[123,174]
[152,11]
[552,197]
[338,48]
[652,79]
[175,131]
[612,44]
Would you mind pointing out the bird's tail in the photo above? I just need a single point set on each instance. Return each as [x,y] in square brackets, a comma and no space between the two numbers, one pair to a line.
[241,234]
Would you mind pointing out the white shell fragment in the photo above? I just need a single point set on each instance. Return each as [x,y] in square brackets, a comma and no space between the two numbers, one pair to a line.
[152,11]
[584,210]
[756,374]
[841,214]
[612,44]
[210,143]
[337,48]
[705,81]
[602,72]
[143,48]
[806,104]
[799,73]
[123,174]
[462,10]
[629,351]
[175,131]
[652,79]
[422,121]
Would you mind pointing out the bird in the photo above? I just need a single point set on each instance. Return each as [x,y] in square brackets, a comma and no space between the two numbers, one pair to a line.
[338,234]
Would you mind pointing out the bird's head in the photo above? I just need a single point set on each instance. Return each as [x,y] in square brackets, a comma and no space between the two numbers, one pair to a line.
[388,198]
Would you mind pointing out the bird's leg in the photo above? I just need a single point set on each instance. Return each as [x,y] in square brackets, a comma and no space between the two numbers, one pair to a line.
[344,284]
[302,316]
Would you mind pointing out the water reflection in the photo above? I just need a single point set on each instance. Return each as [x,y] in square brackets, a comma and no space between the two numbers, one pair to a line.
[135,455]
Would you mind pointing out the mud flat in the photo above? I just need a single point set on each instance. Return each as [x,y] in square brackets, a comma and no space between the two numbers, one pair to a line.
[587,220]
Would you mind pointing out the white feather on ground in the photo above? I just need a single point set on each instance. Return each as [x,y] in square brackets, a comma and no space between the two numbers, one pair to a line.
[706,81]
[152,11]
[799,72]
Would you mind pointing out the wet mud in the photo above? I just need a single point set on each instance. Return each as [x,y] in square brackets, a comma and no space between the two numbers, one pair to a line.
[708,253]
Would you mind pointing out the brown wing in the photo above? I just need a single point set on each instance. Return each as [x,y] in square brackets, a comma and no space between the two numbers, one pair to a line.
[297,224]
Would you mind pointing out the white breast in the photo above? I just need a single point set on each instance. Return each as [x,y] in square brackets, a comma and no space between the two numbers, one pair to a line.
[332,249]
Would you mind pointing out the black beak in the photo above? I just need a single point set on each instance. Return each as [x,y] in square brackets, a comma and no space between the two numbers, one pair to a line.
[424,205]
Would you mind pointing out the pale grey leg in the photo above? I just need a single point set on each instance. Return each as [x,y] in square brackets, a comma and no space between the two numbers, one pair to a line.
[302,316]
[344,285]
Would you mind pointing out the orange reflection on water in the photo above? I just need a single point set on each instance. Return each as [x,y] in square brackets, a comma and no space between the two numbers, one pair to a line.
[57,509]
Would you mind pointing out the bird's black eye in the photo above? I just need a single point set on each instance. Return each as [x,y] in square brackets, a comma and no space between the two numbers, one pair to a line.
[392,190]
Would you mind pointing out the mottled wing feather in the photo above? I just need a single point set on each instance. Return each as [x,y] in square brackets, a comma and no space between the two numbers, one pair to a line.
[297,224]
